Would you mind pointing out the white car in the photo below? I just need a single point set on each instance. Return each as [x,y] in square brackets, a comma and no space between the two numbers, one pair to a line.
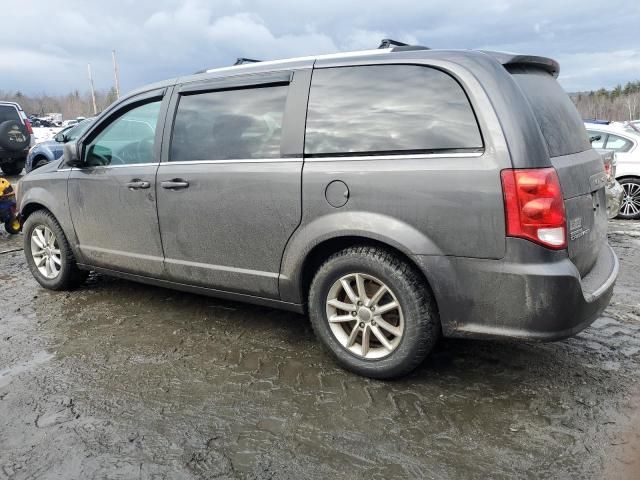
[624,139]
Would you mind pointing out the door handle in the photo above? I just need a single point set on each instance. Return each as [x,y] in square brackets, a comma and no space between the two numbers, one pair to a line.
[175,184]
[137,184]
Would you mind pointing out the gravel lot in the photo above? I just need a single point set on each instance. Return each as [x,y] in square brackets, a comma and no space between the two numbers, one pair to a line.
[120,380]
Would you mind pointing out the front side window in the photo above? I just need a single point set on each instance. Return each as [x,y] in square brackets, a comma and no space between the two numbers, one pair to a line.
[618,144]
[230,124]
[388,108]
[127,140]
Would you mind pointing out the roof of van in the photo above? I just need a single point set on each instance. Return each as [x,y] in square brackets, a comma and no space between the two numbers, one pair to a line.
[506,58]
[407,53]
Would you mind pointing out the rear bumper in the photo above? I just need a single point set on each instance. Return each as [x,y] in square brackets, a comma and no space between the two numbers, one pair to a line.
[541,298]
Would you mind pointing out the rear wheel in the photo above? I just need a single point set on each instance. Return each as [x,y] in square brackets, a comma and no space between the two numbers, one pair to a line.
[12,168]
[48,254]
[373,312]
[630,207]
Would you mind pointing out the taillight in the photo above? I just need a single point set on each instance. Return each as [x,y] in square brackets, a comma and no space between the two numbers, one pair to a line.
[27,126]
[534,207]
[607,170]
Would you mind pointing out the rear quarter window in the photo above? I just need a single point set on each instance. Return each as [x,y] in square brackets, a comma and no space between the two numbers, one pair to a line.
[560,122]
[8,113]
[379,109]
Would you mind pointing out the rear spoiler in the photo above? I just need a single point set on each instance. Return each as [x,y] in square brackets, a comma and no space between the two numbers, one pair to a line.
[511,60]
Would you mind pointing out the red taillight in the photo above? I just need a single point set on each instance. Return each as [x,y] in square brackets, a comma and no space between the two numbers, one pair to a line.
[27,126]
[607,170]
[534,207]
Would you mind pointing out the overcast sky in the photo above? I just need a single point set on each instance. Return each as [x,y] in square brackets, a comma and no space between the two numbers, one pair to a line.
[45,45]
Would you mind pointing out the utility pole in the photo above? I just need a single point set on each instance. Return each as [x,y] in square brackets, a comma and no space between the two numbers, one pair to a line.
[93,91]
[116,73]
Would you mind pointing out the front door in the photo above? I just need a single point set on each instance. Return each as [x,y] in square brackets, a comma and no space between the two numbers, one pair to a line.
[112,198]
[229,193]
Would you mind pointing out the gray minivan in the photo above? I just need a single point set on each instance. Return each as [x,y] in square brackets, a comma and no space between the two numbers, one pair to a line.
[395,195]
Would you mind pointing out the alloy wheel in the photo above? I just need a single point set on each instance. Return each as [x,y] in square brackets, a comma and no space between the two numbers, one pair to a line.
[45,252]
[631,200]
[365,316]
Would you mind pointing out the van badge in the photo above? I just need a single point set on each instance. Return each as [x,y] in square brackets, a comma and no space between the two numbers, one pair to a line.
[575,228]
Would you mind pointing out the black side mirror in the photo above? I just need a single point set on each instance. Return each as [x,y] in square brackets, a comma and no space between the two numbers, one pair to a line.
[71,155]
[595,138]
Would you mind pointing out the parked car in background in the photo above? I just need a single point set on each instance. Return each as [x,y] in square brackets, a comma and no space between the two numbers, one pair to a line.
[50,150]
[624,140]
[395,195]
[16,137]
[72,122]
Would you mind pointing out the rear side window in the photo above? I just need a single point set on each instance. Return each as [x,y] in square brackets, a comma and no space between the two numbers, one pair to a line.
[8,113]
[230,124]
[618,144]
[388,109]
[556,114]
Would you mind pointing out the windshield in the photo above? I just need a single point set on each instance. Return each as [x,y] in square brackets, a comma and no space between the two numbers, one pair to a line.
[75,132]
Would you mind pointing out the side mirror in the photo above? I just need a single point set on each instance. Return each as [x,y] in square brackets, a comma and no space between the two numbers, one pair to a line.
[595,138]
[60,138]
[71,155]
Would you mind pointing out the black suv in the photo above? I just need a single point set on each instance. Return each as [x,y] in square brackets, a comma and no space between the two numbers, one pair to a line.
[16,137]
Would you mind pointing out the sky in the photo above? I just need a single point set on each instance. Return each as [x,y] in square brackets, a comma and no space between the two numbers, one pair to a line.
[45,46]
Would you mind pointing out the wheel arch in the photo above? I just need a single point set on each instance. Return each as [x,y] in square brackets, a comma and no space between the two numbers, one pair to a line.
[317,241]
[31,207]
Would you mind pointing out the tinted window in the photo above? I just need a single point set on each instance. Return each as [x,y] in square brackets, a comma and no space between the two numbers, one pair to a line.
[618,144]
[232,124]
[556,114]
[8,113]
[127,140]
[388,108]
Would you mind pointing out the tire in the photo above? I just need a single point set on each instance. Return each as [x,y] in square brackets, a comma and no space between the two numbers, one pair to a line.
[39,162]
[14,136]
[13,168]
[68,276]
[416,318]
[12,226]
[630,207]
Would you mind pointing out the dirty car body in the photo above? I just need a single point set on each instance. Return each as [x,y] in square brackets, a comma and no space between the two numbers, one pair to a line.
[263,217]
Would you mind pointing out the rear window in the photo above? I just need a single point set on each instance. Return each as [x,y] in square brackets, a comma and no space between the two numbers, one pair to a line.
[8,113]
[556,114]
[388,109]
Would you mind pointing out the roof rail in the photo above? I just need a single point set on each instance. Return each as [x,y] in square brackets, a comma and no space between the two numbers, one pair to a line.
[396,46]
[388,43]
[243,60]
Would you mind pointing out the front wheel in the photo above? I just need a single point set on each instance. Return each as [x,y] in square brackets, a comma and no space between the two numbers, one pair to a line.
[630,207]
[373,312]
[48,253]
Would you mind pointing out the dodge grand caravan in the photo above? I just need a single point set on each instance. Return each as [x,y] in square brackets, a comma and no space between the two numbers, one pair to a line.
[394,195]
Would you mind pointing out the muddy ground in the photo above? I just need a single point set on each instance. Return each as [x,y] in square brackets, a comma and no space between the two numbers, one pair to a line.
[120,380]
